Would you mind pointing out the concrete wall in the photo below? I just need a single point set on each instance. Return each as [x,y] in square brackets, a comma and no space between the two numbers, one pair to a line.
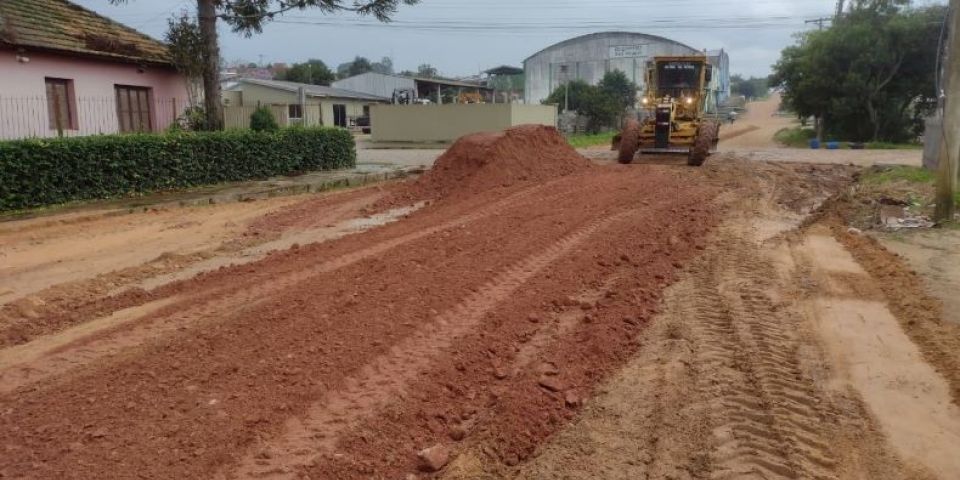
[446,123]
[590,57]
[23,103]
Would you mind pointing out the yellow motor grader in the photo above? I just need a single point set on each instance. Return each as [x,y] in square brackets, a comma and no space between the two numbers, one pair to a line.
[675,106]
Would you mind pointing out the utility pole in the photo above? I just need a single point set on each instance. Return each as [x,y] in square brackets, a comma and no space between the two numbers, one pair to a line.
[950,141]
[839,10]
[819,21]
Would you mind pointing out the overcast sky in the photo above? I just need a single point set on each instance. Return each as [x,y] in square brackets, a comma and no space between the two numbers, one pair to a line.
[462,37]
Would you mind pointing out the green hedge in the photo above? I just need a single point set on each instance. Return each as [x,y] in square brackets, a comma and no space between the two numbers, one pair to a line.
[40,172]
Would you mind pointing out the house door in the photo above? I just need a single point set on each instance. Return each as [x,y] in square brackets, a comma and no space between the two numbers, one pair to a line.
[134,109]
[340,115]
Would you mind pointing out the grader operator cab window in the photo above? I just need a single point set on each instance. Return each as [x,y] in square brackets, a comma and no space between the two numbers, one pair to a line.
[676,77]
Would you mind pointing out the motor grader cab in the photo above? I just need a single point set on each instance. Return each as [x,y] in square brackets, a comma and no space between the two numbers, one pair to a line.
[675,106]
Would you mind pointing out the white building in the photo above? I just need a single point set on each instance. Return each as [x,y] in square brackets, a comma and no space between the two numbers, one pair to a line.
[590,57]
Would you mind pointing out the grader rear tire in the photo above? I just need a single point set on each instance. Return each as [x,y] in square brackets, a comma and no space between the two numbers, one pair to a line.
[707,137]
[629,141]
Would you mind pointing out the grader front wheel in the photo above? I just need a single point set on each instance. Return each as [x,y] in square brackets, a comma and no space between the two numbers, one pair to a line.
[707,137]
[629,141]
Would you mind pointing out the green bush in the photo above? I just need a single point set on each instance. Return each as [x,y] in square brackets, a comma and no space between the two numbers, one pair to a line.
[38,172]
[261,120]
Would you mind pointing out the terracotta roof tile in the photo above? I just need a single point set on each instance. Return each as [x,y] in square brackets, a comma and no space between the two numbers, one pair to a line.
[62,25]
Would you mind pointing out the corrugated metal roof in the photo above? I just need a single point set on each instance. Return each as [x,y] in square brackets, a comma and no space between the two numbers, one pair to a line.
[431,80]
[311,90]
[64,26]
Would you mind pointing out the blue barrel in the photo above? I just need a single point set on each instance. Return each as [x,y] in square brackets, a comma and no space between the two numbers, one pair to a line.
[833,145]
[815,144]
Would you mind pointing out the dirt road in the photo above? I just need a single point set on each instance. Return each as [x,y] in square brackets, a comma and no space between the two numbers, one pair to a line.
[565,321]
[756,127]
[751,137]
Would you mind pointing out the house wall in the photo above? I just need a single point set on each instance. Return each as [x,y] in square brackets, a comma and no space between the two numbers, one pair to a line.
[253,95]
[446,123]
[23,103]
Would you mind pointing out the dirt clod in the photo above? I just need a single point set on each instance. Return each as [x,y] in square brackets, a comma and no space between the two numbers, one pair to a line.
[457,433]
[550,383]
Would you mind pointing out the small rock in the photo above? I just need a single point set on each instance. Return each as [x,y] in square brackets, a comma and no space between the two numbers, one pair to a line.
[433,459]
[572,400]
[499,373]
[550,383]
[533,318]
[854,231]
[457,433]
[586,306]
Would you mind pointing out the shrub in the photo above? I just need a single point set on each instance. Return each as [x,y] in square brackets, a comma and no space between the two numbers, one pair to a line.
[261,120]
[38,172]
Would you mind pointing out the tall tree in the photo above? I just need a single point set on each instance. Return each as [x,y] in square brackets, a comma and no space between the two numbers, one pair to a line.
[599,106]
[183,36]
[313,71]
[753,87]
[384,66]
[870,76]
[248,17]
[358,66]
[427,71]
[616,84]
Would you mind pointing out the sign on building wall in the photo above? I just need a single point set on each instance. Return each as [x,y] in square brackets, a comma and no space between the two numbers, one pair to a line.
[628,51]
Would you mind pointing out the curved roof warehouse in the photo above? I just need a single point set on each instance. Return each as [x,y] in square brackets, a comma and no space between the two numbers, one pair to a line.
[590,57]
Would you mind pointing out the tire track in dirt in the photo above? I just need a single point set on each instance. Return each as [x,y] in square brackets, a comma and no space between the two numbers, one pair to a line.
[189,403]
[206,285]
[132,326]
[768,423]
[570,324]
[386,378]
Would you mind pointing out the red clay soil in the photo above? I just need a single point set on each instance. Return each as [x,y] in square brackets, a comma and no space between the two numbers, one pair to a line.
[488,314]
[483,161]
[58,313]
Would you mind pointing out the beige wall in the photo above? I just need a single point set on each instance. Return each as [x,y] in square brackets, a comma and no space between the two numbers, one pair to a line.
[254,95]
[446,123]
[319,110]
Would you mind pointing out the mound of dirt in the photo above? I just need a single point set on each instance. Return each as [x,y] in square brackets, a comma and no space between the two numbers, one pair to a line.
[482,161]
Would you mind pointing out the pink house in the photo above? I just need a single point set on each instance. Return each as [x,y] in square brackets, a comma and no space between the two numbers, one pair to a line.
[65,70]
